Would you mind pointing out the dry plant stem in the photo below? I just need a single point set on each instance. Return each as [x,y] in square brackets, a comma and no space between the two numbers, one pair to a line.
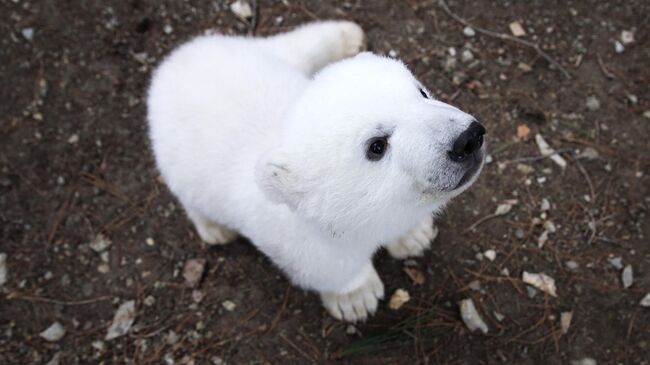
[18,296]
[507,37]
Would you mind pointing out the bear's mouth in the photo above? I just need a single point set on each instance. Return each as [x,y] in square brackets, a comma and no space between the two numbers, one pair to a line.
[475,164]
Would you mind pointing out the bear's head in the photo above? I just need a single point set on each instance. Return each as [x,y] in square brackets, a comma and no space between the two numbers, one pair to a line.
[366,149]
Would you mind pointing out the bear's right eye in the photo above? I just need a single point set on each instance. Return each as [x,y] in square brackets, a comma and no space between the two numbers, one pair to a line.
[377,148]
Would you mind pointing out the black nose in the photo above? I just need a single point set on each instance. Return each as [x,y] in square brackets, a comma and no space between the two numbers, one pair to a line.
[467,143]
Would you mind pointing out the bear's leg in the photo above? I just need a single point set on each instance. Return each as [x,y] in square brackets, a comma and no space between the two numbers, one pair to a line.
[359,301]
[415,242]
[313,46]
[211,232]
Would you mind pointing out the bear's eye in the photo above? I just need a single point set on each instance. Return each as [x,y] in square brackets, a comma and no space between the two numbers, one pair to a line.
[424,93]
[377,148]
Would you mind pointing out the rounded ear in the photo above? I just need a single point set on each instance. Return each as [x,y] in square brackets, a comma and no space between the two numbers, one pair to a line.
[278,179]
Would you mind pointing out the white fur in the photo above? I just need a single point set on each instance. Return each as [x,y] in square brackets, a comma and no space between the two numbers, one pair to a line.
[251,140]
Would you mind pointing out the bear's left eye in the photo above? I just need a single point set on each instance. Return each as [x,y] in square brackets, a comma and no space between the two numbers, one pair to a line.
[424,93]
[377,148]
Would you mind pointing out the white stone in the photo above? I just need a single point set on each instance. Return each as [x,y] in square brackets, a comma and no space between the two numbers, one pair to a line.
[28,33]
[627,277]
[645,302]
[241,9]
[540,281]
[618,47]
[122,320]
[54,332]
[470,316]
[469,31]
[490,255]
[627,37]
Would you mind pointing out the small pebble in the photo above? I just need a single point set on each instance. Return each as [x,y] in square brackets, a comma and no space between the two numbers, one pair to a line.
[122,320]
[54,332]
[632,98]
[592,103]
[618,47]
[149,300]
[73,139]
[168,29]
[627,276]
[471,317]
[490,255]
[469,31]
[28,33]
[229,305]
[242,9]
[398,299]
[565,321]
[150,241]
[351,329]
[466,56]
[571,265]
[584,361]
[546,205]
[616,262]
[627,37]
[520,234]
[3,268]
[100,243]
[645,302]
[524,67]
[475,285]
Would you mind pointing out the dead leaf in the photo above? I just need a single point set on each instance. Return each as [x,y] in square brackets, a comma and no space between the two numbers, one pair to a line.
[415,275]
[523,131]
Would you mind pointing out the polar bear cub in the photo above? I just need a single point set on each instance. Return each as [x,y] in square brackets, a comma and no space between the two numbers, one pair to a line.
[317,155]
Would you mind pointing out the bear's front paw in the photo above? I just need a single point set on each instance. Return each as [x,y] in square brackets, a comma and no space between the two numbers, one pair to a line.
[415,242]
[355,305]
[353,40]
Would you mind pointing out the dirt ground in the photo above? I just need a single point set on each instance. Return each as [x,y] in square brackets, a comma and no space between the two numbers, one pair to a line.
[75,163]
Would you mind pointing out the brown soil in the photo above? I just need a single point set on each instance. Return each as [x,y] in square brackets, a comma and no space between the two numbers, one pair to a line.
[85,73]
